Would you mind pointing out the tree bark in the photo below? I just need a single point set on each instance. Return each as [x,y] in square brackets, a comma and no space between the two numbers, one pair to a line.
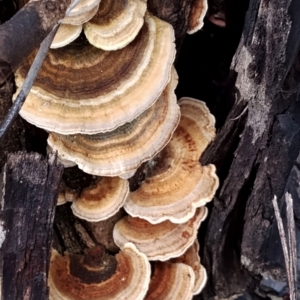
[256,152]
[28,201]
[25,31]
[15,135]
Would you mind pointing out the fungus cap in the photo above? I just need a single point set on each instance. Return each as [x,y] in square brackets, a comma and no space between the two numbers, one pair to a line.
[218,18]
[202,130]
[82,12]
[198,11]
[171,281]
[162,196]
[66,194]
[82,89]
[101,200]
[160,241]
[97,275]
[122,151]
[128,175]
[116,23]
[191,257]
[72,183]
[65,34]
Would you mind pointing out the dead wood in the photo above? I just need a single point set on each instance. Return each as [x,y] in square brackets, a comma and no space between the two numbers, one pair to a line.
[13,142]
[255,152]
[28,201]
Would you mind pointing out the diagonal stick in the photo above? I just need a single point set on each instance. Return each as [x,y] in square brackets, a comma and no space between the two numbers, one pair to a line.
[290,253]
[31,76]
[292,244]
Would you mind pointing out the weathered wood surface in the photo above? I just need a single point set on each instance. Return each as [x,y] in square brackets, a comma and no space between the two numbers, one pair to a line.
[256,152]
[25,31]
[29,193]
[15,135]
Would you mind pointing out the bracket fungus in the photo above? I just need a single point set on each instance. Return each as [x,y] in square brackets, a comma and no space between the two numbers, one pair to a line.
[66,34]
[82,12]
[191,257]
[197,14]
[116,23]
[101,200]
[171,281]
[98,276]
[66,194]
[82,89]
[160,241]
[178,183]
[126,148]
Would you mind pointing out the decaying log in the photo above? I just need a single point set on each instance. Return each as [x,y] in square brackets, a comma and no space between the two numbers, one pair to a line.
[25,31]
[28,201]
[256,152]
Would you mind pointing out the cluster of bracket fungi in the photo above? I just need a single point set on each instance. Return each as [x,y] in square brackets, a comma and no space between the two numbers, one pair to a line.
[108,103]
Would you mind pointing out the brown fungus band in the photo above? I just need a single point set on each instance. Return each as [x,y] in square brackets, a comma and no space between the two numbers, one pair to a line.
[101,200]
[124,149]
[191,257]
[116,23]
[82,89]
[160,241]
[197,14]
[171,281]
[99,276]
[178,183]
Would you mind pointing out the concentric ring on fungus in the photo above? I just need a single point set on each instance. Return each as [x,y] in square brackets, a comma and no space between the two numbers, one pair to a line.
[82,89]
[123,150]
[171,281]
[178,183]
[82,12]
[197,13]
[160,241]
[101,200]
[97,275]
[116,23]
[191,257]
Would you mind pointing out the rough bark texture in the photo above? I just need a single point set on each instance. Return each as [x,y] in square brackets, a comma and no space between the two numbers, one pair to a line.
[25,31]
[28,201]
[16,133]
[256,152]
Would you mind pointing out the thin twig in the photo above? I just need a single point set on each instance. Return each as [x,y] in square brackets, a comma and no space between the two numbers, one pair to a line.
[292,244]
[30,78]
[282,237]
[244,110]
[289,252]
